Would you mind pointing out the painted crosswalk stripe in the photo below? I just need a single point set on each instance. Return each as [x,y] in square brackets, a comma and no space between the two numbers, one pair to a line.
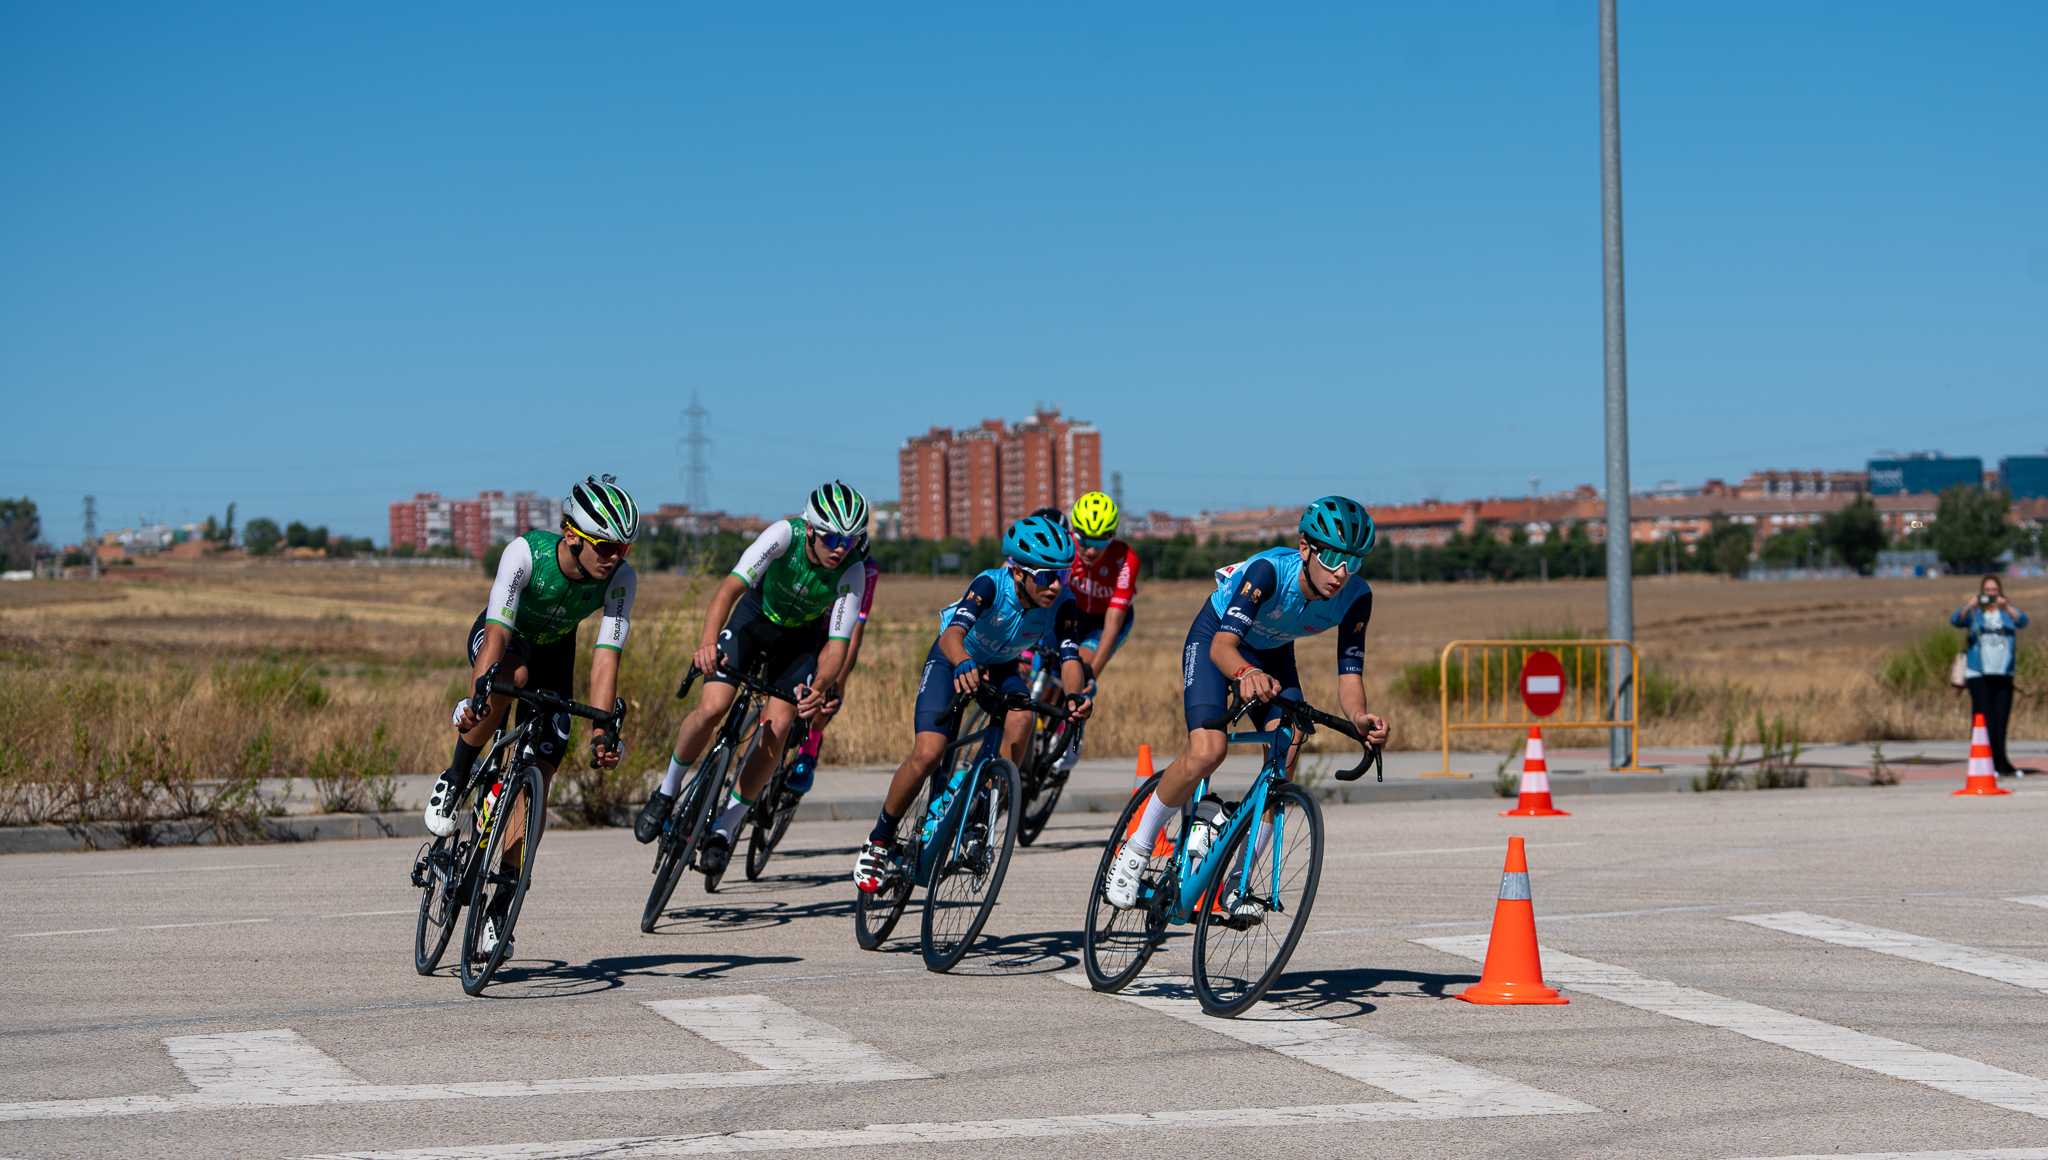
[1943,1154]
[2030,973]
[280,1068]
[1953,1074]
[2040,900]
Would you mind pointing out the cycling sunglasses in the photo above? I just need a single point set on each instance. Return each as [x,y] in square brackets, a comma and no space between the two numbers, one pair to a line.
[1096,543]
[1335,560]
[1042,577]
[605,549]
[834,541]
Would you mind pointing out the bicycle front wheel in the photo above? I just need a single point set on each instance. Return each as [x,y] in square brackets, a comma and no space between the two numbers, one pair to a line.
[685,829]
[972,861]
[778,806]
[1115,944]
[1248,924]
[1044,794]
[441,897]
[498,890]
[875,915]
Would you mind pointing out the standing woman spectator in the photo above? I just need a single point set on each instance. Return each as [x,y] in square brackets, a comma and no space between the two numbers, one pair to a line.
[1993,624]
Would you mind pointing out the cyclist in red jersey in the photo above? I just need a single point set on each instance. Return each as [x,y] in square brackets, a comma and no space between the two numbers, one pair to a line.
[1103,580]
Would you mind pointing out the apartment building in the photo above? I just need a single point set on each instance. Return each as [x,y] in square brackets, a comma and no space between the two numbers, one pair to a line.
[971,483]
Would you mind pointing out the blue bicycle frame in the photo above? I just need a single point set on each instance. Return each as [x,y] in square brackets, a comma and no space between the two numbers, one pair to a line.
[1251,812]
[943,817]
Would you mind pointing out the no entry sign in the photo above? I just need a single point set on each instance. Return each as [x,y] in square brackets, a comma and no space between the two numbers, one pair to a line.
[1542,683]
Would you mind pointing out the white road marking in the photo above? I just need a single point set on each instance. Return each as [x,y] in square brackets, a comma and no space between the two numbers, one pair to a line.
[279,1068]
[1386,1064]
[177,870]
[215,922]
[369,913]
[1945,1154]
[2031,899]
[1953,1074]
[55,933]
[2030,973]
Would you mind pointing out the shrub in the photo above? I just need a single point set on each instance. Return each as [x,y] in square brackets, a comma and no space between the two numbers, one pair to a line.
[354,777]
[271,682]
[1922,666]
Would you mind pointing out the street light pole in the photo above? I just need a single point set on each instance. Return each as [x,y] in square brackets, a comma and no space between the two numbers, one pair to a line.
[1620,594]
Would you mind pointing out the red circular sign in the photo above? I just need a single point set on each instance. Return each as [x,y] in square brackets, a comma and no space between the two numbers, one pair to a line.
[1542,683]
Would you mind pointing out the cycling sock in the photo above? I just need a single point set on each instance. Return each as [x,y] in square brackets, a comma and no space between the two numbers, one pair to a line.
[463,761]
[1151,822]
[814,742]
[672,781]
[885,829]
[735,809]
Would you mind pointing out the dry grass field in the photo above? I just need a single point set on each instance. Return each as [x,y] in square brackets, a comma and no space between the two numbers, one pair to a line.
[231,672]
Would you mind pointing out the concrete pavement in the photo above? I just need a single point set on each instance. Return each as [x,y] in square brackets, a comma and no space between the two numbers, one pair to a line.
[1756,974]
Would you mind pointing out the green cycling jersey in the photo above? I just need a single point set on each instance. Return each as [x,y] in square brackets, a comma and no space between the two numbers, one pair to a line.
[794,590]
[533,598]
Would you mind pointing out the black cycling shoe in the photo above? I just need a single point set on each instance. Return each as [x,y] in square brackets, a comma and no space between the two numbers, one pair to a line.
[714,854]
[647,826]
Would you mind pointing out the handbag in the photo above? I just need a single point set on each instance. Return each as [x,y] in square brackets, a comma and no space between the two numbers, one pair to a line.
[1959,672]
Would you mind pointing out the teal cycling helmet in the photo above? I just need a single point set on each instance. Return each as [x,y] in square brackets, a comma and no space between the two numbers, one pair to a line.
[1340,523]
[1038,542]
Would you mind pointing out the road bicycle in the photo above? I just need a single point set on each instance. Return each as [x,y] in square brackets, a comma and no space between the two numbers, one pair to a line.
[1244,873]
[506,792]
[1041,777]
[958,846]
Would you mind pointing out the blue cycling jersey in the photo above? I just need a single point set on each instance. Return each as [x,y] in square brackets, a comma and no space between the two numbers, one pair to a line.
[1262,601]
[1000,626]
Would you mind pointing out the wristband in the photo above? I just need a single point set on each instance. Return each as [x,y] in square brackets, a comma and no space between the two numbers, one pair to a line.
[1239,674]
[965,667]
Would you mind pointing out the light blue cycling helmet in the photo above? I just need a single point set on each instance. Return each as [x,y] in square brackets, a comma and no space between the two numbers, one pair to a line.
[1338,522]
[1037,542]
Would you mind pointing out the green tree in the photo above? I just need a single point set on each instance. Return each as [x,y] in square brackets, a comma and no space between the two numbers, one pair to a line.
[1726,546]
[261,537]
[20,528]
[1970,529]
[295,535]
[1855,533]
[1791,548]
[227,531]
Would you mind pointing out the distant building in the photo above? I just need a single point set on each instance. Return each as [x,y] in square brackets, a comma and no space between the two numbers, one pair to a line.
[471,526]
[1928,473]
[690,522]
[969,484]
[1767,484]
[2024,476]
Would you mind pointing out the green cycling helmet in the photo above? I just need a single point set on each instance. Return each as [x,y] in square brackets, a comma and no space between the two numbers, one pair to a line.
[1339,523]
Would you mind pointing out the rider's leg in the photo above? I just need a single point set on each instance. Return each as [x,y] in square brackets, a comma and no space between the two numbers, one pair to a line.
[776,721]
[1017,734]
[695,732]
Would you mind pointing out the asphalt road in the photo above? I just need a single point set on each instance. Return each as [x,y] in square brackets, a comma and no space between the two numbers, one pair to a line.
[1886,995]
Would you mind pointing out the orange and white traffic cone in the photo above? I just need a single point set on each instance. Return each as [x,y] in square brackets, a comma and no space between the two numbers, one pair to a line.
[1163,845]
[1983,780]
[1534,801]
[1514,967]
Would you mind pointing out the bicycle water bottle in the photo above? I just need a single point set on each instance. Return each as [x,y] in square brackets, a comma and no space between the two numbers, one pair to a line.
[490,810]
[1210,818]
[938,810]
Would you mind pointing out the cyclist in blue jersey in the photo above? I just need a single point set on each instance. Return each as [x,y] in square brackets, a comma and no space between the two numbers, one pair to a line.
[1021,604]
[1243,637]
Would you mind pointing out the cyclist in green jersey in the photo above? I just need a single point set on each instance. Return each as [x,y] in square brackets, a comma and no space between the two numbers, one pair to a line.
[547,584]
[788,609]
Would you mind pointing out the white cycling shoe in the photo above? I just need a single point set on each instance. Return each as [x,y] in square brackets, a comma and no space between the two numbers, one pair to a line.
[487,942]
[1121,888]
[1072,757]
[440,815]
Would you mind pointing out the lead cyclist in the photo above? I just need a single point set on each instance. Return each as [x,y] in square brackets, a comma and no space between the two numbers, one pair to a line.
[547,584]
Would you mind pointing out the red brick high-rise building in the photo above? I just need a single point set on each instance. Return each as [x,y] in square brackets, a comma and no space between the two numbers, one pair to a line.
[969,484]
[470,526]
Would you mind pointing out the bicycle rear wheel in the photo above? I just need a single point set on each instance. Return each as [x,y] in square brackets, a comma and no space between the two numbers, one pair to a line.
[1116,944]
[875,915]
[441,897]
[1042,795]
[682,833]
[496,891]
[969,873]
[777,807]
[1236,959]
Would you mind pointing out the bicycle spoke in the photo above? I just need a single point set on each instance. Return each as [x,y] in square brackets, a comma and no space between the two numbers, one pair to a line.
[1238,957]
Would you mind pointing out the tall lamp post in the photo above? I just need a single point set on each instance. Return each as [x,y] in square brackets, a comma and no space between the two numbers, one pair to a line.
[1620,572]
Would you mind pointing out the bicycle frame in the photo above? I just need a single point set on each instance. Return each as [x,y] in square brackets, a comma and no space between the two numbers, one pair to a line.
[946,834]
[1251,812]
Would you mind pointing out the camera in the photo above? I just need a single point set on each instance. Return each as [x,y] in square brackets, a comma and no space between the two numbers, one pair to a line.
[1984,599]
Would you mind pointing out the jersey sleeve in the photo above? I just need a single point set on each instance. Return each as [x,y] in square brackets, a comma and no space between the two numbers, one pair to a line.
[1253,585]
[867,598]
[1351,634]
[1067,629]
[1126,581]
[765,550]
[618,609]
[847,605]
[515,568]
[980,597]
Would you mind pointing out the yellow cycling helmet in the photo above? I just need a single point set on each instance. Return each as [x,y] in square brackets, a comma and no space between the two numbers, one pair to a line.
[1094,516]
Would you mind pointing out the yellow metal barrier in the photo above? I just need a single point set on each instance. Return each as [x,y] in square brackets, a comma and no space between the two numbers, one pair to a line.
[1500,699]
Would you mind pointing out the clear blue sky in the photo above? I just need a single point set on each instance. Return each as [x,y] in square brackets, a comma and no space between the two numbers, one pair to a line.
[313,258]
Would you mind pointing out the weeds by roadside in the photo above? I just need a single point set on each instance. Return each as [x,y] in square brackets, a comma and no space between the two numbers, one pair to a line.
[1881,771]
[1777,763]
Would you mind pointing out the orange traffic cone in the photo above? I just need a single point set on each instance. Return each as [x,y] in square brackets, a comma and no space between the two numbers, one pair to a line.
[1983,780]
[1163,845]
[1514,967]
[1534,801]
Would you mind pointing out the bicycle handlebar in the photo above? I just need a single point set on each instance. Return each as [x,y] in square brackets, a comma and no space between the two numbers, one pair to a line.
[608,724]
[744,680]
[1307,717]
[1000,703]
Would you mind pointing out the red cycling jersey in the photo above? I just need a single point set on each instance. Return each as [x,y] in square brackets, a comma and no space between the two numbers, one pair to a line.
[867,598]
[1108,583]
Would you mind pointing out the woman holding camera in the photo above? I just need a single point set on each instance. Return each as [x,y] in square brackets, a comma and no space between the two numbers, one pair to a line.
[1993,624]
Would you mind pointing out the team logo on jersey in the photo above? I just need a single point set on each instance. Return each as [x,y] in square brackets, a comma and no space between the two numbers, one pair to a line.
[1250,591]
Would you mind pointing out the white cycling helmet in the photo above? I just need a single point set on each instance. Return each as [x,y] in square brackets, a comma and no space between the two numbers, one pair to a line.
[602,510]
